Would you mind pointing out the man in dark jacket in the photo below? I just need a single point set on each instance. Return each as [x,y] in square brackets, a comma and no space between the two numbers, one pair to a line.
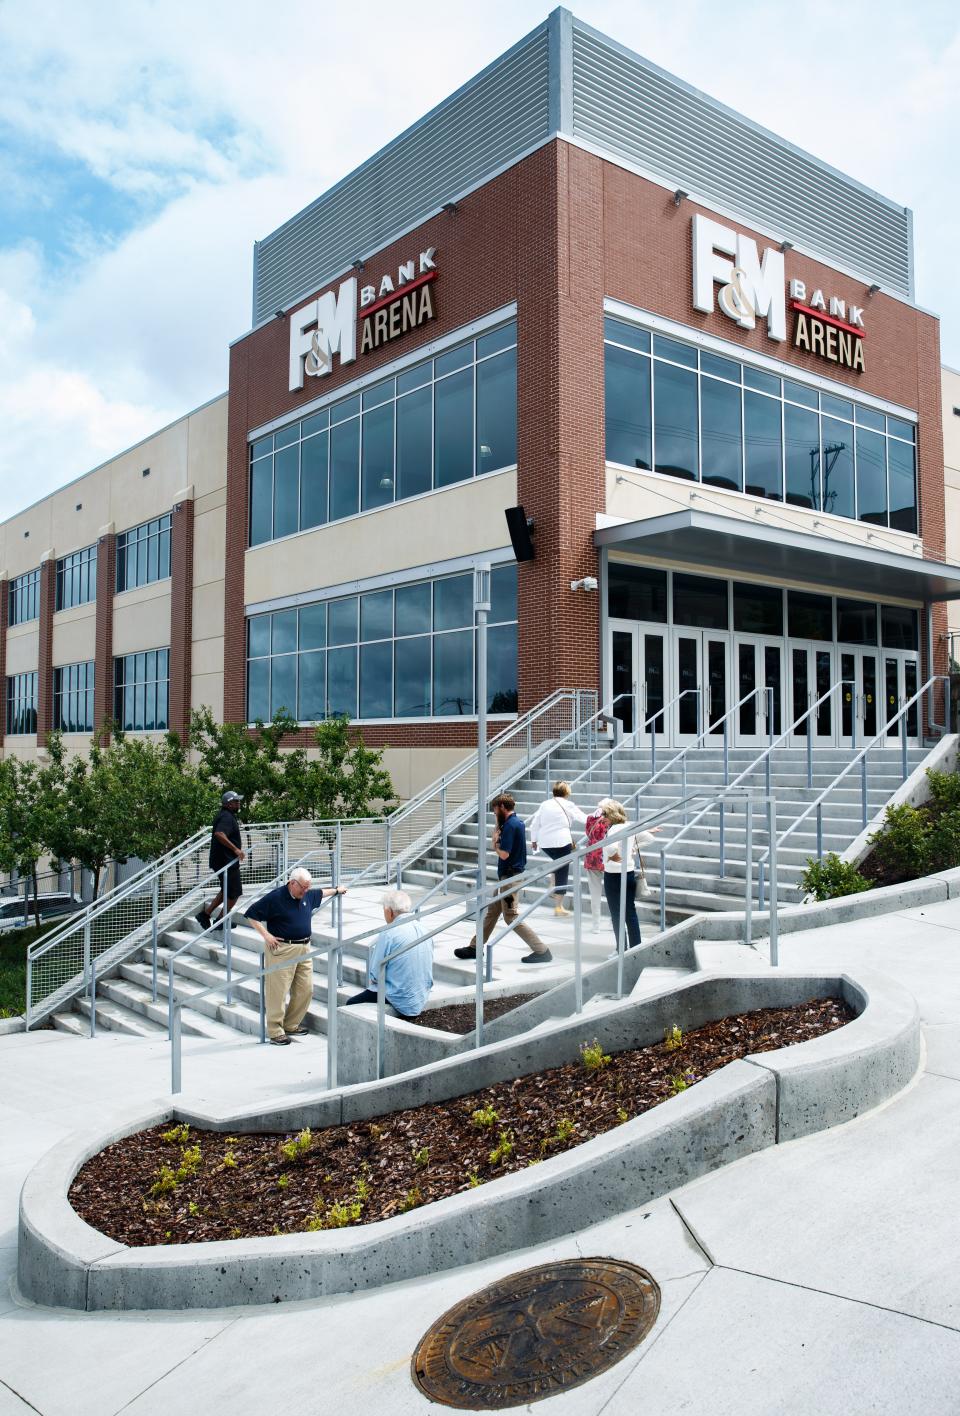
[225,849]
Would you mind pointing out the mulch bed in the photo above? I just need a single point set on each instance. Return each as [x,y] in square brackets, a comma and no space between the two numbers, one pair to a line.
[461,1017]
[177,1186]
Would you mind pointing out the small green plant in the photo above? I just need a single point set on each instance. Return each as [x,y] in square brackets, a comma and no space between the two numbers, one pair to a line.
[230,1160]
[593,1056]
[361,1188]
[297,1145]
[681,1081]
[283,1182]
[177,1136]
[193,1207]
[484,1117]
[565,1129]
[166,1181]
[335,1216]
[503,1149]
[375,1132]
[410,1200]
[421,1157]
[191,1158]
[832,877]
[473,1179]
[622,1115]
[673,1039]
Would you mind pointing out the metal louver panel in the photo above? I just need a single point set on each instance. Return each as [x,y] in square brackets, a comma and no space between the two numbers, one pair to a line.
[480,129]
[638,112]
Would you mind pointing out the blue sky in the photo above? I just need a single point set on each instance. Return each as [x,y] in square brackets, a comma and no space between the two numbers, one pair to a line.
[143,148]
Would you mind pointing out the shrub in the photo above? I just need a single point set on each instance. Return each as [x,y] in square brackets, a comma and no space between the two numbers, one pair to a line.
[901,847]
[484,1117]
[593,1056]
[297,1145]
[832,877]
[503,1149]
[672,1039]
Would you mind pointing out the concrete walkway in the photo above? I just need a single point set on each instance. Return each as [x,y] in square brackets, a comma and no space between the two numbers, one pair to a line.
[818,1277]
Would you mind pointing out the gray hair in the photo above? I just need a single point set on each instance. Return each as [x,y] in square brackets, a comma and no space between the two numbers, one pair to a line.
[397,902]
[304,876]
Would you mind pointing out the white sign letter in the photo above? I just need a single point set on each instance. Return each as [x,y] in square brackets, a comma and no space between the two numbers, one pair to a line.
[336,321]
[427,261]
[766,280]
[709,237]
[300,342]
[798,291]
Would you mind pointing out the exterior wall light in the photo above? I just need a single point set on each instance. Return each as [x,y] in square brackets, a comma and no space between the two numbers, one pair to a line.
[450,206]
[589,582]
[358,265]
[679,195]
[873,289]
[786,246]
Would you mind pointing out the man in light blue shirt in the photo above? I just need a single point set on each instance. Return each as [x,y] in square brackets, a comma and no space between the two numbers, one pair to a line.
[409,978]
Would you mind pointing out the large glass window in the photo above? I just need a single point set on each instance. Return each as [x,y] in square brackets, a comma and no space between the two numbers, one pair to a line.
[757,609]
[73,698]
[22,704]
[24,598]
[77,578]
[700,600]
[637,592]
[386,654]
[141,696]
[441,422]
[856,621]
[696,415]
[809,616]
[143,553]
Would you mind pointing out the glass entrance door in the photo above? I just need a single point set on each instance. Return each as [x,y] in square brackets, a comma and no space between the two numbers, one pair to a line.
[758,663]
[701,661]
[901,679]
[861,696]
[811,675]
[638,674]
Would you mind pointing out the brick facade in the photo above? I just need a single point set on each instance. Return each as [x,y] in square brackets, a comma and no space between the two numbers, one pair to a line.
[48,592]
[557,233]
[181,615]
[103,659]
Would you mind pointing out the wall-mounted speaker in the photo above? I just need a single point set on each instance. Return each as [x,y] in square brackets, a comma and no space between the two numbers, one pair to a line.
[520,527]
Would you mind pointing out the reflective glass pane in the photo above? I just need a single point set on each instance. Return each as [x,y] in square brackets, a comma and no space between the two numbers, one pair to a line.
[871,477]
[283,684]
[258,636]
[800,691]
[502,668]
[898,627]
[344,469]
[898,429]
[802,429]
[453,674]
[342,682]
[415,443]
[837,467]
[453,359]
[286,491]
[312,687]
[453,602]
[757,609]
[766,383]
[287,436]
[342,621]
[840,407]
[868,418]
[892,694]
[701,600]
[376,476]
[746,683]
[376,615]
[497,412]
[799,393]
[764,471]
[412,609]
[721,368]
[671,349]
[347,408]
[627,401]
[163,706]
[496,339]
[165,553]
[675,412]
[721,448]
[380,393]
[261,447]
[415,377]
[284,632]
[318,422]
[624,333]
[313,626]
[688,656]
[856,621]
[261,503]
[412,677]
[809,616]
[637,592]
[313,481]
[453,419]
[903,486]
[376,680]
[503,597]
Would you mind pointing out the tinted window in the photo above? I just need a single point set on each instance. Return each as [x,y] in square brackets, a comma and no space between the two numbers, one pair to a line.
[700,600]
[637,592]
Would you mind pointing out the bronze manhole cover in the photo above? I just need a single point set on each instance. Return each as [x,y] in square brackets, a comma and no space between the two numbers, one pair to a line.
[535,1333]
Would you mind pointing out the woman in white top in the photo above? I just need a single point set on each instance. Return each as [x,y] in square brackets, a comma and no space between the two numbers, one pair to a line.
[613,855]
[550,831]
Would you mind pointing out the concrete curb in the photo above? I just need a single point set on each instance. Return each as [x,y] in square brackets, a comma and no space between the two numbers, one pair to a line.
[12,1025]
[742,1108]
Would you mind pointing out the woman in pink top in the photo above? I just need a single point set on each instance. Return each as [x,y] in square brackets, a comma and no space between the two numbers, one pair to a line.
[597,827]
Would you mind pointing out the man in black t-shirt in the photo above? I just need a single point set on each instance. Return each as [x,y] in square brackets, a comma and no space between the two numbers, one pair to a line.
[225,849]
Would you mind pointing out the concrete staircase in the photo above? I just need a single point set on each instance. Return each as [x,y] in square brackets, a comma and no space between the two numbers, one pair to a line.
[694,882]
[125,1001]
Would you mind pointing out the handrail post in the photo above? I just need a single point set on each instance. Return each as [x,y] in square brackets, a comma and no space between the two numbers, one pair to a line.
[653,750]
[760,883]
[285,853]
[443,828]
[155,907]
[810,749]
[768,694]
[726,752]
[683,788]
[263,1003]
[663,888]
[577,934]
[381,1022]
[175,1073]
[333,1004]
[748,857]
[228,942]
[723,842]
[388,844]
[820,831]
[93,997]
[622,912]
[86,949]
[774,902]
[903,747]
[863,787]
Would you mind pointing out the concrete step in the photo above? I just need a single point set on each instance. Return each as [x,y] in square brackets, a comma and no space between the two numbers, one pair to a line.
[132,990]
[657,980]
[117,1017]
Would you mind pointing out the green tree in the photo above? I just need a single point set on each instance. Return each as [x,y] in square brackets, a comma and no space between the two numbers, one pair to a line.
[23,818]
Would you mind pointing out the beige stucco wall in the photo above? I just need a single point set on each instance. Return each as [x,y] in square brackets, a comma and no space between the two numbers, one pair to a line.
[23,647]
[950,383]
[75,634]
[141,618]
[635,495]
[458,521]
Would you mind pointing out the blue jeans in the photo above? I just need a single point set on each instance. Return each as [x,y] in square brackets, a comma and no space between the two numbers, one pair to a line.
[611,888]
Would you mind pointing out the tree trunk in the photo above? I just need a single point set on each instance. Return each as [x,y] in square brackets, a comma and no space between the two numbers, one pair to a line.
[36,895]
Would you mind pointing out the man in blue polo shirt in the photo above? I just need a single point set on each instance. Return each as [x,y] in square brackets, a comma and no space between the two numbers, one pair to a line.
[510,847]
[284,920]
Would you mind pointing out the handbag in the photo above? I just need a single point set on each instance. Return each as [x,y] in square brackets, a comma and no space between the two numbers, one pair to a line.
[644,888]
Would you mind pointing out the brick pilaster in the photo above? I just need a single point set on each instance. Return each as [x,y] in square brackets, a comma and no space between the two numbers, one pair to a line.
[48,590]
[103,661]
[181,613]
[4,613]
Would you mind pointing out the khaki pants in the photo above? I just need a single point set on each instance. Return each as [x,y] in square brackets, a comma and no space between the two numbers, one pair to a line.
[296,979]
[508,907]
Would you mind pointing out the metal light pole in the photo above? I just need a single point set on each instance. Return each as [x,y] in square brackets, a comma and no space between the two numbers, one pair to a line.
[481,608]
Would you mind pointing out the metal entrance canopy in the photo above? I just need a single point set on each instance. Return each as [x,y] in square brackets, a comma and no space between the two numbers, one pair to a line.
[731,544]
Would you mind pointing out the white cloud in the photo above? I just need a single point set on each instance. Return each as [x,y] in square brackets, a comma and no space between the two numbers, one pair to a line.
[217,122]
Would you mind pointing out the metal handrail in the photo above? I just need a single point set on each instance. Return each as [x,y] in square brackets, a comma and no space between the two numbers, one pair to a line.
[775,842]
[620,744]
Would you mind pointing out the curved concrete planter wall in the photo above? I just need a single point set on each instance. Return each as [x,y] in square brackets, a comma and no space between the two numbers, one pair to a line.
[746,1106]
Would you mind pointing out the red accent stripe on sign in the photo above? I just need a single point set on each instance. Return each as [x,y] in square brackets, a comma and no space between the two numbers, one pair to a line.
[827,319]
[397,294]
